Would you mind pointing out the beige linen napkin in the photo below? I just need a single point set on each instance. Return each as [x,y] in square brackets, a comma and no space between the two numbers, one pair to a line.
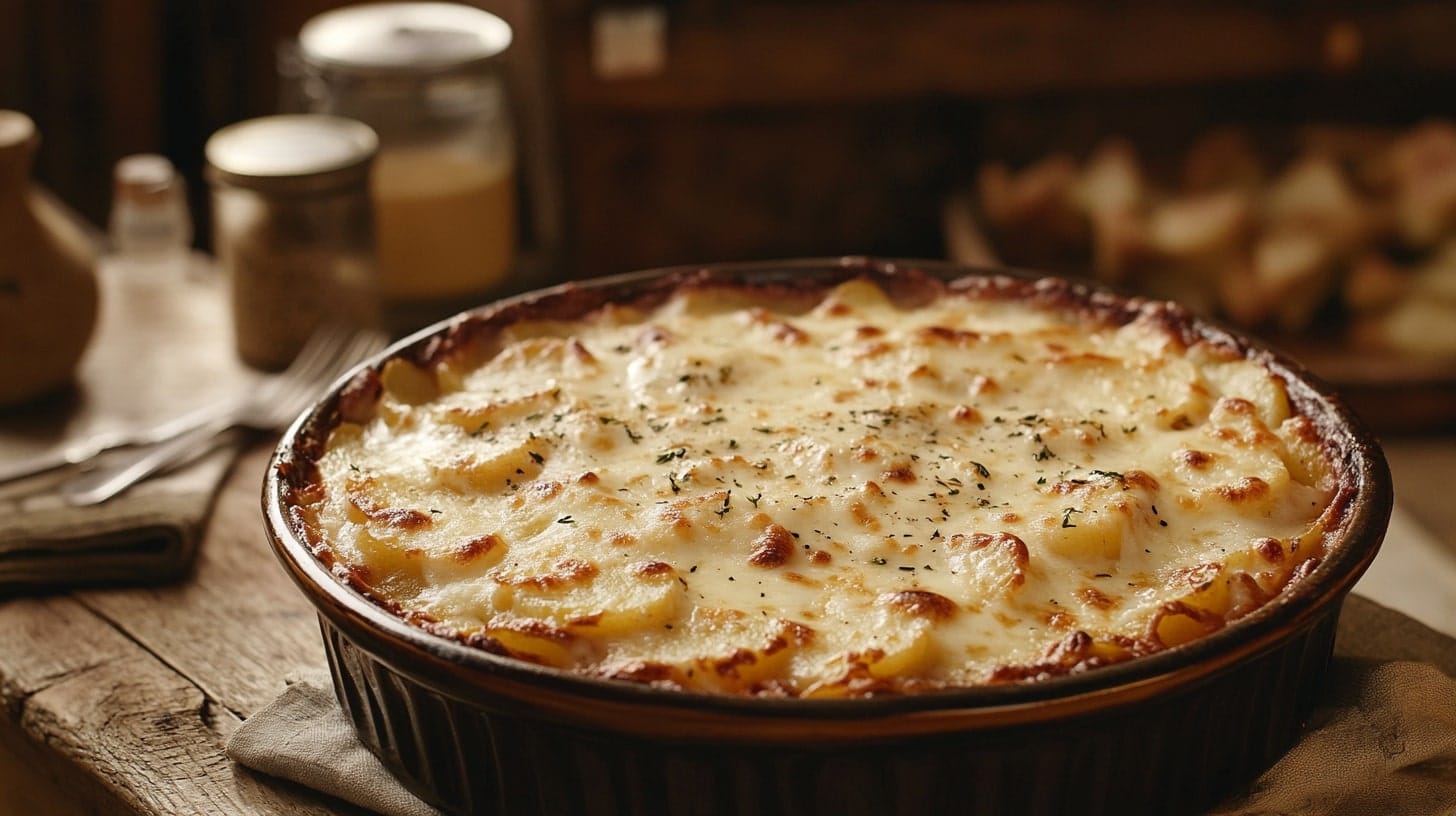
[162,347]
[304,735]
[1382,739]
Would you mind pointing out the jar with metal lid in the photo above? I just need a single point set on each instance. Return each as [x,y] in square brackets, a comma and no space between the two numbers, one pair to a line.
[293,228]
[427,77]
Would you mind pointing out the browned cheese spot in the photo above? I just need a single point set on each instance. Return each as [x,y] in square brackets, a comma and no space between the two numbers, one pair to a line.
[359,574]
[532,627]
[779,329]
[1304,429]
[870,351]
[728,666]
[642,671]
[1004,541]
[981,384]
[868,332]
[396,517]
[543,490]
[933,335]
[1196,459]
[675,516]
[1140,479]
[1092,596]
[1059,620]
[899,473]
[863,517]
[621,539]
[565,572]
[651,569]
[772,548]
[799,634]
[588,478]
[1246,489]
[924,372]
[580,351]
[1198,576]
[920,603]
[1237,405]
[864,453]
[1058,355]
[965,414]
[1255,439]
[1270,548]
[819,557]
[472,548]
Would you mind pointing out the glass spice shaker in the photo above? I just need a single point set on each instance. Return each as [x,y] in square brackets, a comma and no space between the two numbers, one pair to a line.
[149,226]
[427,77]
[293,229]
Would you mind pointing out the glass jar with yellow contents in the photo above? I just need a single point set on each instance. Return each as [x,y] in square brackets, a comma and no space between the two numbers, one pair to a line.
[427,77]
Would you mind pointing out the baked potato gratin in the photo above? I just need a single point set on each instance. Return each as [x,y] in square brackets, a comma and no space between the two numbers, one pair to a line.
[793,490]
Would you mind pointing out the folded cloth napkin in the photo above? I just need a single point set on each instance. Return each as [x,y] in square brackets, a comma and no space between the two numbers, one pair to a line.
[146,535]
[1382,739]
[162,347]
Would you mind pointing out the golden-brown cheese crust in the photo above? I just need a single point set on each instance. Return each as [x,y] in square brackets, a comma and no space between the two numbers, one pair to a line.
[884,457]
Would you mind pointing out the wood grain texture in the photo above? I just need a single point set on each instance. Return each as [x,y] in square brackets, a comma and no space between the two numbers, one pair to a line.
[124,697]
[749,54]
[238,627]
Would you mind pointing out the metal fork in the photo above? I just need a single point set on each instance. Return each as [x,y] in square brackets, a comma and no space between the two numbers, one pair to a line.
[275,402]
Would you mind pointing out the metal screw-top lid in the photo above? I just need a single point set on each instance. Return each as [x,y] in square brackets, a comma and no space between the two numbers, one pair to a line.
[298,153]
[18,139]
[395,38]
[146,178]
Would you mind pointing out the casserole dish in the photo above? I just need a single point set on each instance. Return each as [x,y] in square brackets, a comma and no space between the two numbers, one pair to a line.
[475,731]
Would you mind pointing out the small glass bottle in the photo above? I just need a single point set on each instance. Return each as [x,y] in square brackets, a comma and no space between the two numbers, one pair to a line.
[427,77]
[293,229]
[150,227]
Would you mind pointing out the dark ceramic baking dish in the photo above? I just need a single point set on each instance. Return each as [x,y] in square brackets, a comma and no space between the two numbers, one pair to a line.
[1171,732]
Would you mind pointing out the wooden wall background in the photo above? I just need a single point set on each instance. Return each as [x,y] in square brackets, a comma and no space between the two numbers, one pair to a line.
[778,128]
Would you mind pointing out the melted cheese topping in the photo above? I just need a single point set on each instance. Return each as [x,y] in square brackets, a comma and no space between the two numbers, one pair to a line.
[854,499]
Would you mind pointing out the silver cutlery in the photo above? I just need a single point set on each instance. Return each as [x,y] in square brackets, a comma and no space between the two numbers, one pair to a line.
[271,405]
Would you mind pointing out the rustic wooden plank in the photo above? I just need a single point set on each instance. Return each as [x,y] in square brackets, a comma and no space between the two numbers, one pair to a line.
[137,689]
[35,779]
[238,626]
[126,725]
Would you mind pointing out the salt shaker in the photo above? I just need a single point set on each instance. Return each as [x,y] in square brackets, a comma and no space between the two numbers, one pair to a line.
[293,228]
[150,227]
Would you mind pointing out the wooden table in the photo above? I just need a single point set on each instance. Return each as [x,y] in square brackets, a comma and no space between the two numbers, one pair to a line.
[120,700]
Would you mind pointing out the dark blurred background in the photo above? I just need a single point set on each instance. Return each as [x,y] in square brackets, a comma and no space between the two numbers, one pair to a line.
[799,127]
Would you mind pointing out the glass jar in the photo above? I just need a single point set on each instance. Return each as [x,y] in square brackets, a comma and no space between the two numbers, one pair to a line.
[293,229]
[427,78]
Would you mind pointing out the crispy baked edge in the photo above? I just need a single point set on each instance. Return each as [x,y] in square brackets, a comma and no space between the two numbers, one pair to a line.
[474,334]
